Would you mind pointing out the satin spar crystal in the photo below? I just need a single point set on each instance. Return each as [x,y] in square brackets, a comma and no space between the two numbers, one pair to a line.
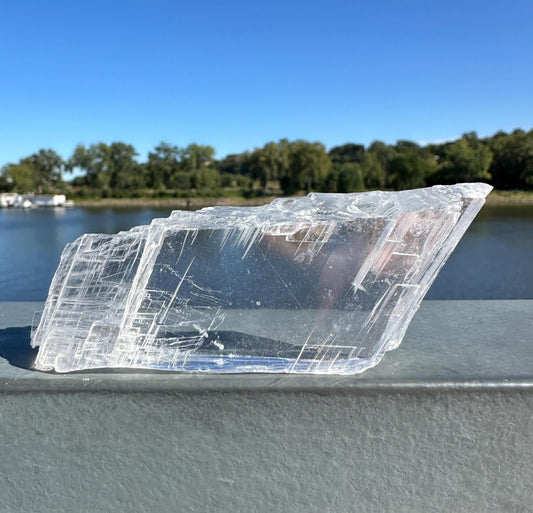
[320,284]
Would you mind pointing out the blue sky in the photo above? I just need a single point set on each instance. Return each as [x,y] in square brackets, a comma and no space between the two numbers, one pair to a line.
[237,74]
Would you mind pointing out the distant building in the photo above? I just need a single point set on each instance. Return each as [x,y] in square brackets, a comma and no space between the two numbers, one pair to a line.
[7,199]
[55,200]
[11,199]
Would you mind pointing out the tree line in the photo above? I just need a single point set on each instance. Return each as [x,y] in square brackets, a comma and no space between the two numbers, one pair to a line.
[504,160]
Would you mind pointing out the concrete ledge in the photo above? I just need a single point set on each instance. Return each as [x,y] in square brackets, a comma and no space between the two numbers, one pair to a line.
[449,345]
[443,424]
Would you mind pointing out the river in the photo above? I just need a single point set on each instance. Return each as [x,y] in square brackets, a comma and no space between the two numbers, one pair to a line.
[494,260]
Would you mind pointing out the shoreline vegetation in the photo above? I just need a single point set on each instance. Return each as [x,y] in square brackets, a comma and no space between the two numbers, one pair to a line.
[178,203]
[496,197]
[189,177]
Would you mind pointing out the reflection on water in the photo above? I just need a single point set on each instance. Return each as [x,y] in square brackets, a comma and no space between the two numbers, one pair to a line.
[493,261]
[31,242]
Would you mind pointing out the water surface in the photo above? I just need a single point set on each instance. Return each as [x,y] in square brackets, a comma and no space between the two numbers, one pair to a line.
[493,261]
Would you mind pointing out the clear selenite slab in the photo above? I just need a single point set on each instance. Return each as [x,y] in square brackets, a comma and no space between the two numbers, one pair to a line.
[319,284]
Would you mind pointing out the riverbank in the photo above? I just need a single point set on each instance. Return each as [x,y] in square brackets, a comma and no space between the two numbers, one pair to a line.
[178,203]
[510,198]
[494,198]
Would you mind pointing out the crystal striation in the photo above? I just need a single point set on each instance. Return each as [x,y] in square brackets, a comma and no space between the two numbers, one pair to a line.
[325,283]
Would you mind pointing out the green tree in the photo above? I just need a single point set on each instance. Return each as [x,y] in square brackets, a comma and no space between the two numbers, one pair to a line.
[125,172]
[195,156]
[19,177]
[235,164]
[6,184]
[350,177]
[162,166]
[112,169]
[464,161]
[47,168]
[268,163]
[405,145]
[347,153]
[331,182]
[259,169]
[526,176]
[384,154]
[284,149]
[182,180]
[307,167]
[409,170]
[372,171]
[94,161]
[512,164]
[205,179]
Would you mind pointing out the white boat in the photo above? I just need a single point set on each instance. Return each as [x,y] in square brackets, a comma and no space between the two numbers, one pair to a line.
[11,199]
[7,199]
[54,200]
[22,202]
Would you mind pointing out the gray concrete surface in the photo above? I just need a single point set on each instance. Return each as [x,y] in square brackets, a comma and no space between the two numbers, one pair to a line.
[444,423]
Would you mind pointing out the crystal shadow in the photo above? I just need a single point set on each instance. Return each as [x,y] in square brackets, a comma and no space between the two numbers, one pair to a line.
[15,347]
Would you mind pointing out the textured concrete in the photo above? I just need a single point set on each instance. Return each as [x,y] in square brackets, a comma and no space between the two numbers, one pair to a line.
[444,423]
